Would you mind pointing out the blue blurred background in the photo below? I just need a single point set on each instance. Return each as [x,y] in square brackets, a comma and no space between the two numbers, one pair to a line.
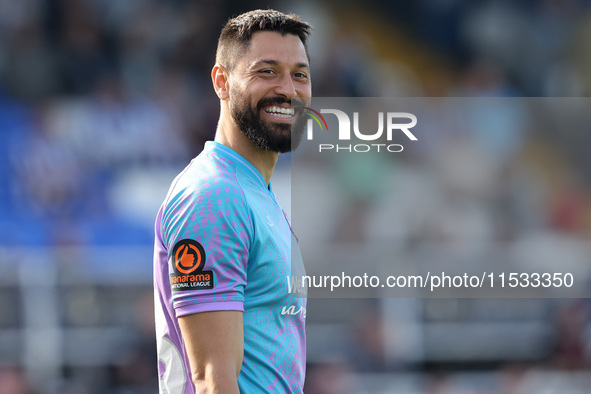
[102,102]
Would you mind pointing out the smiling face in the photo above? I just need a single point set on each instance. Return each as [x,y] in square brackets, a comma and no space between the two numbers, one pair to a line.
[273,71]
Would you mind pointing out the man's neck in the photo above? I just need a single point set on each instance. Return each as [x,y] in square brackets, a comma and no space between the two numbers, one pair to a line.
[228,134]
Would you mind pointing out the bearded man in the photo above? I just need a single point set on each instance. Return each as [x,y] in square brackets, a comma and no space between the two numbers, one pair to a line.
[224,249]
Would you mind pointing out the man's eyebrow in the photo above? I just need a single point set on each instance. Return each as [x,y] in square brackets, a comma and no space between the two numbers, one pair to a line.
[302,65]
[275,63]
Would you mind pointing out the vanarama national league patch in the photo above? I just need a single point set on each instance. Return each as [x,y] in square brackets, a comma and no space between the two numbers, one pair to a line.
[188,261]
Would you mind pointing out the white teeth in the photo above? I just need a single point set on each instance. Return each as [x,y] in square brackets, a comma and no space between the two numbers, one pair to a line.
[280,112]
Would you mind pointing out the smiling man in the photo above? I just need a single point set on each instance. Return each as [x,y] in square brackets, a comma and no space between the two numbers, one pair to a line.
[225,321]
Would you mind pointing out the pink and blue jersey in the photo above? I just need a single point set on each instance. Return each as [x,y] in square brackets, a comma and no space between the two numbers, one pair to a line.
[224,243]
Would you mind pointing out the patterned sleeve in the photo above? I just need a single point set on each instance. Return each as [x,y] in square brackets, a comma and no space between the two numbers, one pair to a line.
[208,232]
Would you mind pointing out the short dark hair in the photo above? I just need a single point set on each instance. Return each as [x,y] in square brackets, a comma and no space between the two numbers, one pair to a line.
[238,31]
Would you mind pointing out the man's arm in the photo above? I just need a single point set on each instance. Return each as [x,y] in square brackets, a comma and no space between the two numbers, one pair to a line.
[215,347]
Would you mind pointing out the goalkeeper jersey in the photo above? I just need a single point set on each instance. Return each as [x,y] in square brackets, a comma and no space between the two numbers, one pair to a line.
[224,243]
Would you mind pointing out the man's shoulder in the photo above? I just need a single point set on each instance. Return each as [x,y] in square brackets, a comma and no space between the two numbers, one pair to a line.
[204,190]
[206,173]
[207,180]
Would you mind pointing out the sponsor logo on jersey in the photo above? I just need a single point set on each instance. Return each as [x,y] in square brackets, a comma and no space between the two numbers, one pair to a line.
[188,260]
[293,310]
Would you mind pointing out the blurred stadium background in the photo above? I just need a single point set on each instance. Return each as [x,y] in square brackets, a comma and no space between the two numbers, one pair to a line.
[102,102]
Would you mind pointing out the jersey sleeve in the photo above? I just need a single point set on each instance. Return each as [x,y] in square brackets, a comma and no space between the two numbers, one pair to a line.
[207,230]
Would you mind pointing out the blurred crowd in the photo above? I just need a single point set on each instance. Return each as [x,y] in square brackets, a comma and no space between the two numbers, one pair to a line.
[103,101]
[92,93]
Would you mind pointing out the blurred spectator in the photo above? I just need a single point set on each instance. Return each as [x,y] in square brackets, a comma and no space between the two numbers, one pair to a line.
[136,371]
[84,53]
[13,381]
[438,383]
[368,351]
[330,378]
[30,70]
[571,324]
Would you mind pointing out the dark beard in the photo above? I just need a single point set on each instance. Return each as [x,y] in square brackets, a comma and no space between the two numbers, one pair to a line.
[267,136]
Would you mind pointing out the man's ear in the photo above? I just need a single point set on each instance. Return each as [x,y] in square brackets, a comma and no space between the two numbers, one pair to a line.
[221,83]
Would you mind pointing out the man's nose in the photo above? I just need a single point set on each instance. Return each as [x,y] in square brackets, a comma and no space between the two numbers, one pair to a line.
[285,86]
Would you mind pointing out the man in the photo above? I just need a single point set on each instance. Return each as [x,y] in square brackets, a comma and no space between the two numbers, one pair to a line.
[225,320]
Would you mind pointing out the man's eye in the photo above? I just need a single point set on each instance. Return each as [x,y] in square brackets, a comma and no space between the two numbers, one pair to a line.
[300,75]
[267,71]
